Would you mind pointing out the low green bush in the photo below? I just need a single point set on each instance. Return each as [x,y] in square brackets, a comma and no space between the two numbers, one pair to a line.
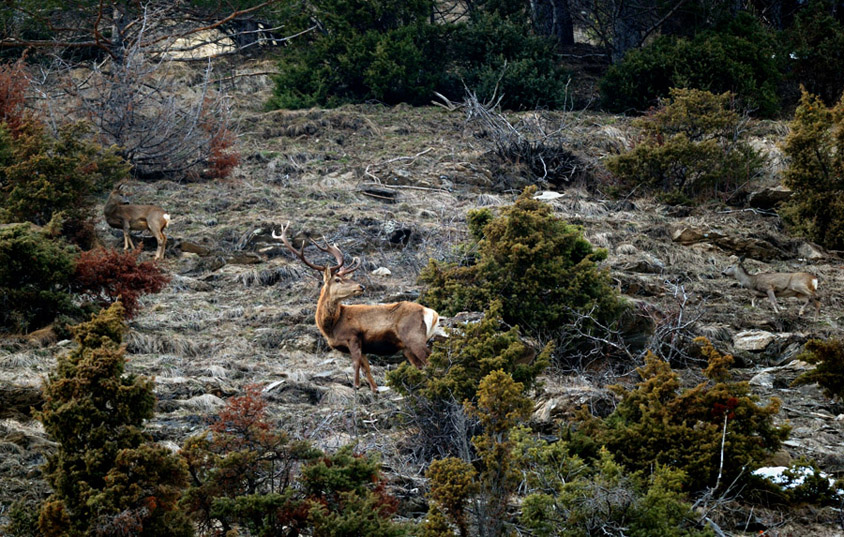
[815,172]
[107,479]
[570,498]
[436,394]
[689,149]
[660,423]
[36,269]
[248,475]
[829,369]
[543,271]
[41,176]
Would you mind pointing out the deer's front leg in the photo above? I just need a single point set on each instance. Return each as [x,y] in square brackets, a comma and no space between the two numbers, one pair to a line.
[127,240]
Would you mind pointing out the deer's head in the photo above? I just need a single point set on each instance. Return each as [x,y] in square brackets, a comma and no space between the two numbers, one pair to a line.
[337,285]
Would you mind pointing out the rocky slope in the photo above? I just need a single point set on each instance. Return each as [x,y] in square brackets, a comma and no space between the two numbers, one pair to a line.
[393,186]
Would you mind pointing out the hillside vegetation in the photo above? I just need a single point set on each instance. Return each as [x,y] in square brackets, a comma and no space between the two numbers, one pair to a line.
[602,375]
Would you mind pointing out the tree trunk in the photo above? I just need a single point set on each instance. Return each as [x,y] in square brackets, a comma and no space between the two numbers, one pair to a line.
[553,18]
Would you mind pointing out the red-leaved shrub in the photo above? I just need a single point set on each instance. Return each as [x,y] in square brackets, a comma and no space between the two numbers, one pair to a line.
[13,85]
[222,155]
[110,275]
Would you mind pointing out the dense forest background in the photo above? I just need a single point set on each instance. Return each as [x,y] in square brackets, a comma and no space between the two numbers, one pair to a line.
[564,181]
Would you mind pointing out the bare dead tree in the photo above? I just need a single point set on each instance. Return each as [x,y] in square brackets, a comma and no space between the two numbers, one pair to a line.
[621,25]
[139,105]
[108,27]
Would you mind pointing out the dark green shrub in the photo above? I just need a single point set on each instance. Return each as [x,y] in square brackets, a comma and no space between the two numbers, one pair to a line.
[35,270]
[829,370]
[453,483]
[689,149]
[500,406]
[815,172]
[815,42]
[434,396]
[497,56]
[375,49]
[41,176]
[248,474]
[741,58]
[801,483]
[391,52]
[660,423]
[346,496]
[243,470]
[541,269]
[568,497]
[104,479]
[23,518]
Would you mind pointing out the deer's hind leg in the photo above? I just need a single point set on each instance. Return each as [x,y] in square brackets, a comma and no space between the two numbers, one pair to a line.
[161,238]
[417,354]
[773,298]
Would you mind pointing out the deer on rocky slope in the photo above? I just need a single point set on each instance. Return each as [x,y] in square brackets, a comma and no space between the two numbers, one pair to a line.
[381,329]
[778,284]
[137,217]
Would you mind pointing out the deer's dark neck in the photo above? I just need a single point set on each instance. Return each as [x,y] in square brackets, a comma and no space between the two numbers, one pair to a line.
[327,313]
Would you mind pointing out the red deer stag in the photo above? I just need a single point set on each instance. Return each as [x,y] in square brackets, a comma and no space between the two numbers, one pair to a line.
[381,329]
[773,284]
[138,217]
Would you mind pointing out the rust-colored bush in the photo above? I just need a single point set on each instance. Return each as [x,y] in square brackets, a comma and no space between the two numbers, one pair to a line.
[13,85]
[222,155]
[109,275]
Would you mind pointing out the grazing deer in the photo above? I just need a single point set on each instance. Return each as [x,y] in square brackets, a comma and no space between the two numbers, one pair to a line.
[138,217]
[774,284]
[381,329]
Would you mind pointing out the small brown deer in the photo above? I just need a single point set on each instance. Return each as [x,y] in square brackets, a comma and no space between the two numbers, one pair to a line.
[778,284]
[136,217]
[381,329]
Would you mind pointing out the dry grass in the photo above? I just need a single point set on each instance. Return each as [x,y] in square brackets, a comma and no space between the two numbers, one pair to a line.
[214,330]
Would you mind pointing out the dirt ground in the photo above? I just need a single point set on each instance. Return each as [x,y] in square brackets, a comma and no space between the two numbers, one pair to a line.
[393,185]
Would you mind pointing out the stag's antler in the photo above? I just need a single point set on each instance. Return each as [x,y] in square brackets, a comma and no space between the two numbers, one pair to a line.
[339,270]
[300,253]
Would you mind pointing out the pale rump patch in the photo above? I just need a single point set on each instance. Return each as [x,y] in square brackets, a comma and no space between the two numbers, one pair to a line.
[166,219]
[814,284]
[432,320]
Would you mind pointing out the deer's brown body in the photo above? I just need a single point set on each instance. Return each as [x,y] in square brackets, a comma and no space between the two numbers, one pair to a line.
[128,217]
[358,330]
[778,284]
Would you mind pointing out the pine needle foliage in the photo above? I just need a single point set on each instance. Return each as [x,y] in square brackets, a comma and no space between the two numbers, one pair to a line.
[544,272]
[105,480]
[500,406]
[659,422]
[41,176]
[35,271]
[434,396]
[829,369]
[600,498]
[815,148]
[250,476]
[691,149]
